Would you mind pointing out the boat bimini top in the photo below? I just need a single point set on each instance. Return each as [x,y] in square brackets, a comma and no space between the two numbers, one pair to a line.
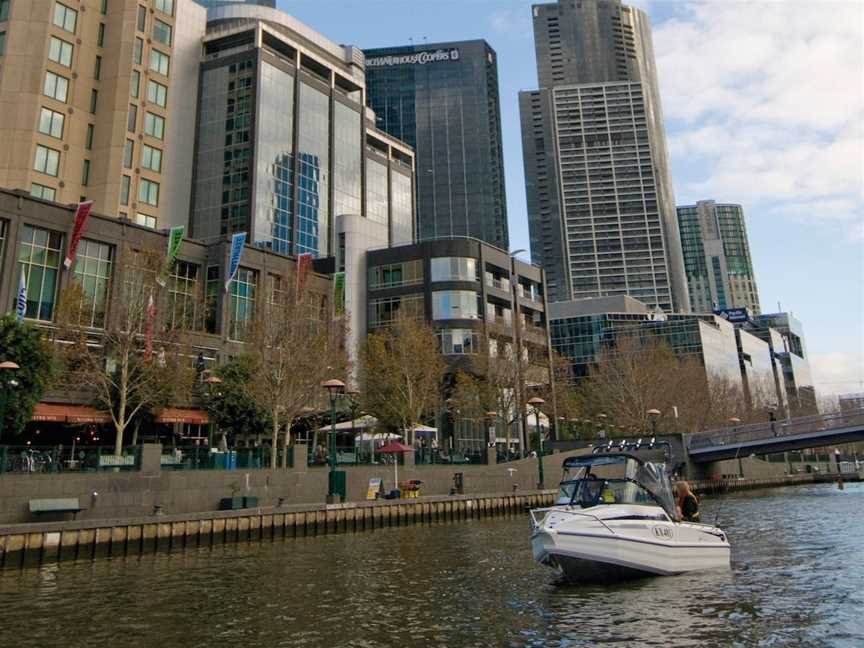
[615,478]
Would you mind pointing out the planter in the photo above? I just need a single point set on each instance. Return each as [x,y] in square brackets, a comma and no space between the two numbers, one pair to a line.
[250,502]
[231,503]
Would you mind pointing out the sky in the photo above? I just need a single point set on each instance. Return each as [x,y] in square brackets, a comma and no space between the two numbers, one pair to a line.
[764,107]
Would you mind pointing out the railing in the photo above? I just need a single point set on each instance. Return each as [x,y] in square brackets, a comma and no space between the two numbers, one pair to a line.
[205,458]
[430,457]
[350,456]
[29,460]
[772,429]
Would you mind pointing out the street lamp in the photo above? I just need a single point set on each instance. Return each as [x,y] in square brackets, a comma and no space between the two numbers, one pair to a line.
[334,387]
[7,367]
[601,432]
[653,415]
[536,403]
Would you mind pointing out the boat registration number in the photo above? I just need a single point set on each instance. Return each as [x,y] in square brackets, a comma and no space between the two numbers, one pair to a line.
[665,533]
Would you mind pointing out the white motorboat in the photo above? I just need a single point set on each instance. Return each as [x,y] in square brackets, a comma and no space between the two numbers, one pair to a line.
[615,518]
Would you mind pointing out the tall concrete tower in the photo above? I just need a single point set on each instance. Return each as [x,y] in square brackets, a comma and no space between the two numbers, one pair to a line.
[601,208]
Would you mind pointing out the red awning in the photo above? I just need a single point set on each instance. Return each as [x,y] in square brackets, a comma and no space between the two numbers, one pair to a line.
[76,414]
[180,415]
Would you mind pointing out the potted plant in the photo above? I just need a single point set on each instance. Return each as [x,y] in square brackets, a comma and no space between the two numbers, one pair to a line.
[233,503]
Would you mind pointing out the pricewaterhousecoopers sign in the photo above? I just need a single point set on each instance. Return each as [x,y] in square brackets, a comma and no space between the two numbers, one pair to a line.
[415,58]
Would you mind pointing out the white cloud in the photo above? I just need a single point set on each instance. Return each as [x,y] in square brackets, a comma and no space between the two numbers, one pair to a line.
[837,373]
[765,105]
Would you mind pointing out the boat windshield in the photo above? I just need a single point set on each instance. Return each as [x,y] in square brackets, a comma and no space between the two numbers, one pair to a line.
[621,479]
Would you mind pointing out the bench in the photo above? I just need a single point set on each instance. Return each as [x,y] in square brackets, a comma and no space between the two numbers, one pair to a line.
[56,505]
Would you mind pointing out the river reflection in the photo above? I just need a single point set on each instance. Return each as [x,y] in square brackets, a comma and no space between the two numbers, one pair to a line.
[797,580]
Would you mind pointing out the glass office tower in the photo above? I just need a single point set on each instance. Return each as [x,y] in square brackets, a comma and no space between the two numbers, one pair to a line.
[442,99]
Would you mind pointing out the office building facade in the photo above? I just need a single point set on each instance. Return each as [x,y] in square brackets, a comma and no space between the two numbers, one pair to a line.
[717,257]
[601,208]
[284,142]
[442,99]
[95,103]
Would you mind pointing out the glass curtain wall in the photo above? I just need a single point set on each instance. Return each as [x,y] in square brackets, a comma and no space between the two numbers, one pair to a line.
[402,199]
[313,161]
[39,260]
[347,145]
[376,191]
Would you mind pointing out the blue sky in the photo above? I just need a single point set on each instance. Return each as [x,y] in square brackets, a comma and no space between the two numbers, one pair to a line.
[764,104]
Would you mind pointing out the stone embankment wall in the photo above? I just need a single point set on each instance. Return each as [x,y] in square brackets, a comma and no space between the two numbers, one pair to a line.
[141,492]
[30,545]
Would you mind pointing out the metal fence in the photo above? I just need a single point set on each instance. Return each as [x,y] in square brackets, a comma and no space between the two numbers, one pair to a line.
[29,460]
[771,429]
[206,458]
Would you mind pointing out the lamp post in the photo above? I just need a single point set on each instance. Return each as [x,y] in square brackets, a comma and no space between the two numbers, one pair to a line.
[653,415]
[334,387]
[211,382]
[7,382]
[536,403]
[515,321]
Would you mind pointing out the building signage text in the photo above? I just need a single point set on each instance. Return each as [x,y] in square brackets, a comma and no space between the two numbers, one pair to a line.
[417,58]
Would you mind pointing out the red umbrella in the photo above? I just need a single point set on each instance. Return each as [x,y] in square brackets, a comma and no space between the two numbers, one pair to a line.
[395,447]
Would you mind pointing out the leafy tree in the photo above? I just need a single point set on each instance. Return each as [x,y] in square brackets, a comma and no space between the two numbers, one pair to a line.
[228,405]
[403,374]
[23,344]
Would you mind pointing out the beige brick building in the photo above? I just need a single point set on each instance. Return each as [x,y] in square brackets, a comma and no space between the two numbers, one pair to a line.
[97,101]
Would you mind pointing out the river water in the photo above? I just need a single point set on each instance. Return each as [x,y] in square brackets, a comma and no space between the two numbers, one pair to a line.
[797,580]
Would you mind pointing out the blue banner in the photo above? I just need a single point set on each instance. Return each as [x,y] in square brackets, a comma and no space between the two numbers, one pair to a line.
[21,304]
[237,243]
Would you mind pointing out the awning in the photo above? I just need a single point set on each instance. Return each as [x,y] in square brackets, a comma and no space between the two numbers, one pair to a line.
[181,415]
[76,414]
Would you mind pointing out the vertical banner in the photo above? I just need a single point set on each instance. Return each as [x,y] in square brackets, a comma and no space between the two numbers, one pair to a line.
[237,243]
[81,216]
[339,292]
[304,263]
[175,239]
[21,303]
[151,319]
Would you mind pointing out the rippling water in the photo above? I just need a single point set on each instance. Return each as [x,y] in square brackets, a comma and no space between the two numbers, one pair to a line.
[797,580]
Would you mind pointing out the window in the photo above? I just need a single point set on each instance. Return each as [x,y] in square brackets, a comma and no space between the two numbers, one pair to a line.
[132,119]
[142,18]
[455,304]
[125,182]
[128,154]
[100,35]
[64,17]
[138,51]
[156,93]
[51,123]
[56,86]
[104,7]
[85,173]
[454,269]
[154,125]
[151,158]
[183,297]
[47,160]
[94,100]
[211,298]
[4,10]
[134,84]
[41,191]
[145,220]
[242,304]
[2,42]
[97,68]
[159,62]
[148,192]
[162,32]
[458,341]
[60,52]
[165,6]
[92,271]
[88,139]
[385,311]
[408,273]
[39,260]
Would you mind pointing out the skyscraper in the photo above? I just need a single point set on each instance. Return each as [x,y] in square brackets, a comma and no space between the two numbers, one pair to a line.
[601,209]
[94,103]
[442,99]
[717,257]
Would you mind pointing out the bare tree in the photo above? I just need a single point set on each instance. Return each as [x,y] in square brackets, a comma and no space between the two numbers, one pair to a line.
[131,365]
[403,374]
[293,346]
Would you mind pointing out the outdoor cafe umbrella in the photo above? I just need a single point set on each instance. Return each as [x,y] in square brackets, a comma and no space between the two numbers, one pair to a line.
[395,447]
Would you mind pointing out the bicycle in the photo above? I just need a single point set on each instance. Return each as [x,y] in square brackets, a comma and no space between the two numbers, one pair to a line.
[32,461]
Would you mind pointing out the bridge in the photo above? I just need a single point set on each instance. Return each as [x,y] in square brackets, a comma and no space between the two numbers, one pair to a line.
[776,436]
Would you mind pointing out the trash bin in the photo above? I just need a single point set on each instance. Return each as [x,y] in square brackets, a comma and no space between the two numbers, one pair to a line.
[458,483]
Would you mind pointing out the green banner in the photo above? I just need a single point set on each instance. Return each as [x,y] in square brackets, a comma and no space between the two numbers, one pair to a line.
[175,239]
[339,292]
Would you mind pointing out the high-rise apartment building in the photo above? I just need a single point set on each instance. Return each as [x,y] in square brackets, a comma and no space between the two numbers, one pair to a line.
[218,3]
[95,104]
[600,204]
[284,143]
[717,257]
[442,99]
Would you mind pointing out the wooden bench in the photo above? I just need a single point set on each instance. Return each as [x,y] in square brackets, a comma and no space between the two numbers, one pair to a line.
[56,505]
